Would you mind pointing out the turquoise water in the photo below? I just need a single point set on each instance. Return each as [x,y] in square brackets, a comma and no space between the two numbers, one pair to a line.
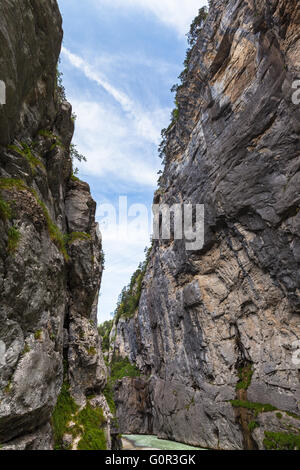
[154,442]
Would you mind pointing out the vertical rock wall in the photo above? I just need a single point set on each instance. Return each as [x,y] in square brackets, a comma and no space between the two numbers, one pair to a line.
[215,331]
[50,245]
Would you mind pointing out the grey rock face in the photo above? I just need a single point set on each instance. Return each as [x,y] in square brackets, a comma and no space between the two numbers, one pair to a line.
[49,276]
[29,29]
[203,314]
[134,409]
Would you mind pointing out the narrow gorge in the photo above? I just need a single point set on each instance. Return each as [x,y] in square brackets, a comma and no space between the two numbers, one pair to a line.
[203,347]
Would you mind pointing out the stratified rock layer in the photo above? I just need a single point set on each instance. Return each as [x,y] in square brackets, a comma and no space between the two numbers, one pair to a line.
[50,245]
[205,315]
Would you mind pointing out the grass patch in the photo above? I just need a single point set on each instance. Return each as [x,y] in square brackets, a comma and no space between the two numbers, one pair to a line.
[38,335]
[72,237]
[5,210]
[13,239]
[54,232]
[63,412]
[292,415]
[281,441]
[26,152]
[74,177]
[253,425]
[87,423]
[8,388]
[256,407]
[11,183]
[121,368]
[50,135]
[245,376]
[92,351]
[93,436]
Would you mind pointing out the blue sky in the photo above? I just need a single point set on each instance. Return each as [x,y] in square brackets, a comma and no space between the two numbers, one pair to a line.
[119,60]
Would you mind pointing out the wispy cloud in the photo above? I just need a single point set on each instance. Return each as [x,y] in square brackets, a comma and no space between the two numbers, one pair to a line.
[119,142]
[148,124]
[113,150]
[177,14]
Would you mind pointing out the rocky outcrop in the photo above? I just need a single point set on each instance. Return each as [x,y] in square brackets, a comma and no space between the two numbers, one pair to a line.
[205,316]
[50,245]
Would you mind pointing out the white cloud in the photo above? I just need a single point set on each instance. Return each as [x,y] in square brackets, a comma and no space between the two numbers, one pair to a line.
[177,14]
[119,140]
[148,124]
[112,147]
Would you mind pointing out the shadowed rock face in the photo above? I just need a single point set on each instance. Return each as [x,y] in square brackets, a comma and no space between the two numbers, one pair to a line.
[205,314]
[50,245]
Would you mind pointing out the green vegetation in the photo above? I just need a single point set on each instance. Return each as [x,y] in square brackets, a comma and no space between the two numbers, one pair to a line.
[11,183]
[8,387]
[13,239]
[25,350]
[50,135]
[191,403]
[75,154]
[281,441]
[59,87]
[63,413]
[123,368]
[253,425]
[245,374]
[130,295]
[104,331]
[119,368]
[92,351]
[55,234]
[5,210]
[279,415]
[74,177]
[38,335]
[109,395]
[72,237]
[88,423]
[92,422]
[192,36]
[61,96]
[293,415]
[26,152]
[256,407]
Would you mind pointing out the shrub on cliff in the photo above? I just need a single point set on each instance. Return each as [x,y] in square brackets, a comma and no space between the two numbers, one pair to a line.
[104,331]
[192,36]
[130,296]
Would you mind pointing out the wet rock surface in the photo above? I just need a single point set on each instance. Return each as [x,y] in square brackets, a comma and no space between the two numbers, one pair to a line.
[205,314]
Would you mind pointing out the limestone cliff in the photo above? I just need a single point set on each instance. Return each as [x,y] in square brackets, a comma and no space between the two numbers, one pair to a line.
[50,248]
[215,329]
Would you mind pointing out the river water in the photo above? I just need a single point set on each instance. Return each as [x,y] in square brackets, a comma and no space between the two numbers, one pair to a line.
[141,442]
